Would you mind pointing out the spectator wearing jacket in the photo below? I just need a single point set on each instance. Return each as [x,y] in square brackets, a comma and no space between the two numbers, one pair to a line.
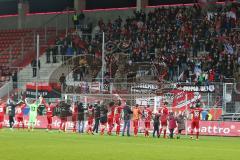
[172,124]
[126,117]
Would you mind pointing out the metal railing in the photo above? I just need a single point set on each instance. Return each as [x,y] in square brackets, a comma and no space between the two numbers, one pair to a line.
[222,97]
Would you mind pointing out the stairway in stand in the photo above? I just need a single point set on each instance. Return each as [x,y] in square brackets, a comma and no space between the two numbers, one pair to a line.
[26,75]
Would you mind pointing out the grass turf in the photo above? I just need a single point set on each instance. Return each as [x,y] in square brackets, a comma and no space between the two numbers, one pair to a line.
[40,145]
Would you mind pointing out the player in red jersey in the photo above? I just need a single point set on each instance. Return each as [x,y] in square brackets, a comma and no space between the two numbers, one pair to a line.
[19,114]
[164,109]
[49,113]
[74,116]
[2,112]
[90,113]
[196,116]
[111,111]
[164,116]
[147,112]
[117,117]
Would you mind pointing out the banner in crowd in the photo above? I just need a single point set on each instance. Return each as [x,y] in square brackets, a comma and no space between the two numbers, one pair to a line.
[195,88]
[182,100]
[47,90]
[213,128]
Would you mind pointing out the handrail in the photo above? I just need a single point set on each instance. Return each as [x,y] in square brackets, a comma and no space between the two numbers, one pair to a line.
[136,83]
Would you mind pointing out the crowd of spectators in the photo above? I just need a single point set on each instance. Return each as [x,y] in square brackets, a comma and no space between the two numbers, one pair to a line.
[184,43]
[190,44]
[74,49]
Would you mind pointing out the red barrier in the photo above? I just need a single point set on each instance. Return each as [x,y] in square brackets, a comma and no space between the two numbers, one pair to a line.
[218,128]
[213,128]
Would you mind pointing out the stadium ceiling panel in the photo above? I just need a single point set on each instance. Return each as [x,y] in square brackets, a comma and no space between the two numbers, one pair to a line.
[161,2]
[49,5]
[8,1]
[8,7]
[103,4]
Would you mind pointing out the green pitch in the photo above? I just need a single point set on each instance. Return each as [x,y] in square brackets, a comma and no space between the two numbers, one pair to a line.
[40,145]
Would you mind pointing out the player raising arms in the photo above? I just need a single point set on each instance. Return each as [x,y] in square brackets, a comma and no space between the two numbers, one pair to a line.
[33,112]
[117,117]
[147,113]
[111,110]
[19,114]
[164,116]
[49,113]
[2,112]
[196,116]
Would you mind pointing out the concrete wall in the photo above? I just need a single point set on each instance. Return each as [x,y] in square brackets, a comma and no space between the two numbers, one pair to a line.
[61,20]
[9,23]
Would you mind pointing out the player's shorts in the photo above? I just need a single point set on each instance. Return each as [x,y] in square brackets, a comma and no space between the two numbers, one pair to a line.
[135,123]
[117,116]
[103,125]
[103,120]
[90,120]
[155,125]
[63,119]
[164,123]
[49,119]
[147,124]
[110,120]
[1,118]
[195,124]
[19,119]
[117,120]
[74,117]
[32,118]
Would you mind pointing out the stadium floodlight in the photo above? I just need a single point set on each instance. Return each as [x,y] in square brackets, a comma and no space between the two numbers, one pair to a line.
[37,69]
[103,59]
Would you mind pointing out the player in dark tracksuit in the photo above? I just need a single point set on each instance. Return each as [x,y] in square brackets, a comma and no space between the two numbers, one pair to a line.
[81,110]
[11,113]
[127,116]
[96,117]
[63,115]
[156,123]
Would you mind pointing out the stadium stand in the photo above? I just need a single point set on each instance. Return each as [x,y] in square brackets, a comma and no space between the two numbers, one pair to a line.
[16,44]
[191,45]
[198,46]
[172,44]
